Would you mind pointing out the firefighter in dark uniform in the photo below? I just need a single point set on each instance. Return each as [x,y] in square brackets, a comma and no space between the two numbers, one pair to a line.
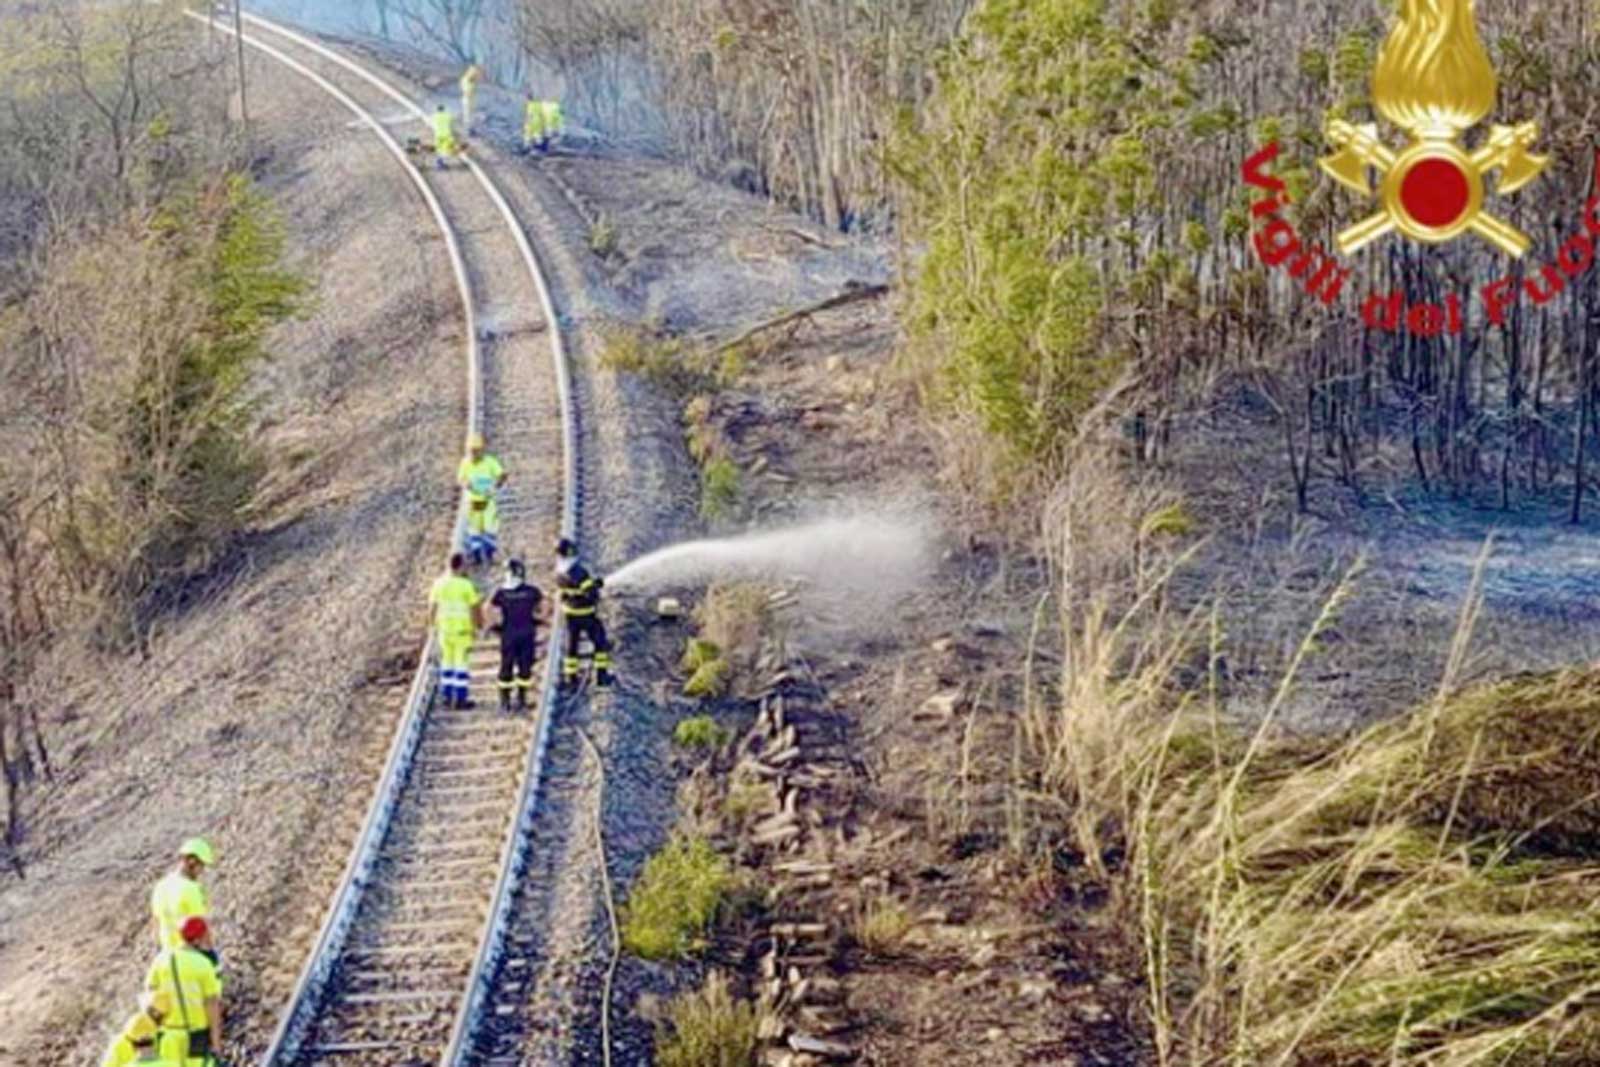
[519,605]
[578,592]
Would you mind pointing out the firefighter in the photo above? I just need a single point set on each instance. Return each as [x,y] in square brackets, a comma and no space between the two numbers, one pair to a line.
[578,592]
[180,895]
[192,1030]
[444,136]
[541,123]
[519,604]
[140,1038]
[455,611]
[481,475]
[469,94]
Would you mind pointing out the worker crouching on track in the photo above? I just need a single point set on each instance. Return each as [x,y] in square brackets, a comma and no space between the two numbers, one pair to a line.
[455,611]
[192,1030]
[541,123]
[519,604]
[444,137]
[481,476]
[578,592]
[140,1038]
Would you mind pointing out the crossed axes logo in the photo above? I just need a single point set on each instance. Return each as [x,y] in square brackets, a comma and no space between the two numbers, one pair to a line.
[1433,78]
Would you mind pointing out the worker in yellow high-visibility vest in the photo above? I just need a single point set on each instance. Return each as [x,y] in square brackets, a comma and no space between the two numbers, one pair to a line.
[140,1040]
[444,136]
[455,611]
[469,94]
[481,475]
[541,123]
[190,983]
[180,894]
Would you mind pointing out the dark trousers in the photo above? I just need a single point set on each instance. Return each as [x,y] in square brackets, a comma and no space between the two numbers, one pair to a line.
[516,663]
[590,626]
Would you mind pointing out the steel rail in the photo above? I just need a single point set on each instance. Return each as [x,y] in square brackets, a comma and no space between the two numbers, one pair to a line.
[519,837]
[335,931]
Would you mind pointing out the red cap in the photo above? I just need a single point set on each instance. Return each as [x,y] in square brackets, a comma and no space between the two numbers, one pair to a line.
[193,928]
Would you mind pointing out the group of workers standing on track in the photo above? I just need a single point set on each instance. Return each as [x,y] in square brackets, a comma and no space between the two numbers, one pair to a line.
[456,608]
[542,121]
[179,1021]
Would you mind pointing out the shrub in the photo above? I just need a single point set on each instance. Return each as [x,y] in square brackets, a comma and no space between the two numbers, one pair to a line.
[697,652]
[882,926]
[719,489]
[710,679]
[603,237]
[163,319]
[744,800]
[675,899]
[732,617]
[708,1028]
[699,731]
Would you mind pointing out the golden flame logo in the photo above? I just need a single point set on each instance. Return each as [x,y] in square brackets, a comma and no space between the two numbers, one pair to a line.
[1433,79]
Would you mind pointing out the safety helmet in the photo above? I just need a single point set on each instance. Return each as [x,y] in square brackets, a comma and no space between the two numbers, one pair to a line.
[566,547]
[475,441]
[199,848]
[515,566]
[194,929]
[140,1029]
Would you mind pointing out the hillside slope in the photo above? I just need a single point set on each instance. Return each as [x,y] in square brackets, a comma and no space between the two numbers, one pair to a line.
[265,705]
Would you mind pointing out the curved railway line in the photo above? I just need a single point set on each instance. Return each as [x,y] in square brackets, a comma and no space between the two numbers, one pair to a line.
[401,971]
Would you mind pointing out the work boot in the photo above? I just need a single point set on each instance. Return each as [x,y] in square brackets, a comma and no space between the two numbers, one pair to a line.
[466,703]
[602,678]
[522,699]
[505,700]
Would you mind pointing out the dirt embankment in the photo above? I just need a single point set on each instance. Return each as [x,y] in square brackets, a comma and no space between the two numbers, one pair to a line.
[266,703]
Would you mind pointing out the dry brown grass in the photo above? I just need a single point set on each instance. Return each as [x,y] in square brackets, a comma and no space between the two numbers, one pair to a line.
[880,928]
[709,1027]
[1419,893]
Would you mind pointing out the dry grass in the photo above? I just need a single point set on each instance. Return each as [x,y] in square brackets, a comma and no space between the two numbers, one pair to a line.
[734,617]
[881,926]
[708,1028]
[1418,894]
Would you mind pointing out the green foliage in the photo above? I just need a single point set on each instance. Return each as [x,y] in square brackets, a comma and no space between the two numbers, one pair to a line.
[697,652]
[675,899]
[719,489]
[1352,61]
[709,680]
[709,671]
[1314,64]
[1040,141]
[708,1028]
[165,318]
[699,731]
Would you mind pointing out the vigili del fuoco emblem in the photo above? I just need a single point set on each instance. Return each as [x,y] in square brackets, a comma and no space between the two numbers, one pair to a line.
[1433,79]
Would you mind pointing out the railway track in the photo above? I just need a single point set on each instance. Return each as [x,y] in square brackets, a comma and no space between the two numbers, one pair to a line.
[401,970]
